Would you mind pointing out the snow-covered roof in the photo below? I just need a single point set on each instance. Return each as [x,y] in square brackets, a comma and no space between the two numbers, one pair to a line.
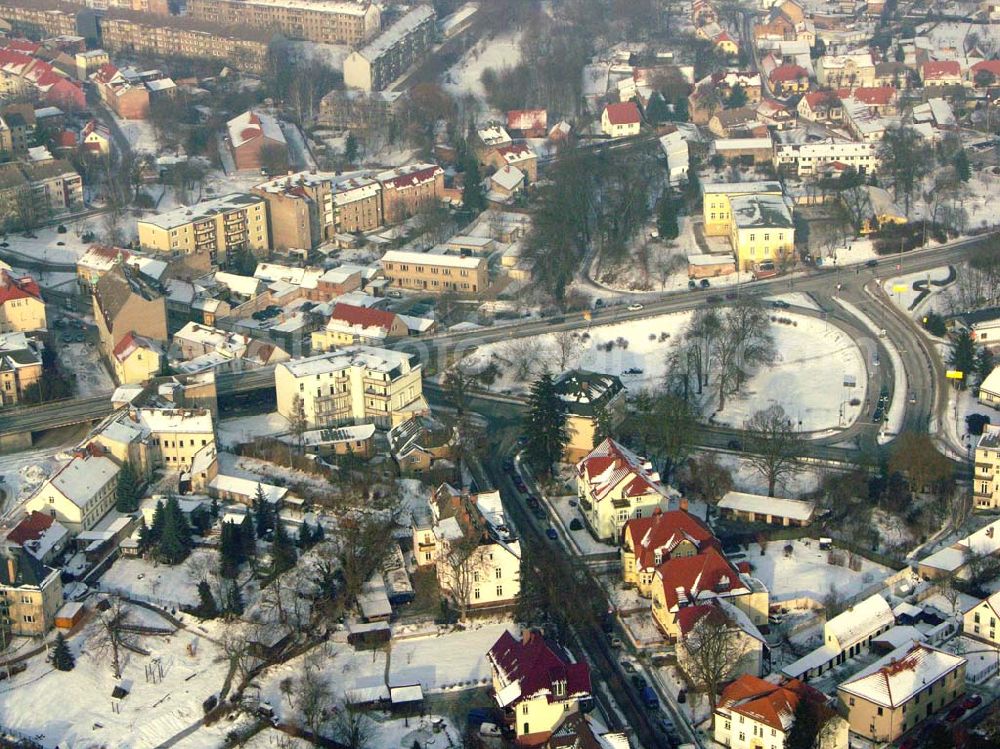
[741,188]
[509,178]
[245,127]
[811,660]
[247,488]
[895,679]
[423,258]
[396,33]
[178,420]
[992,382]
[243,285]
[82,478]
[859,621]
[704,259]
[201,211]
[985,541]
[332,436]
[759,504]
[761,211]
[376,359]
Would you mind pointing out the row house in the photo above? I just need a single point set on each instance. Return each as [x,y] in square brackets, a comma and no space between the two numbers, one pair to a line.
[125,304]
[615,485]
[436,272]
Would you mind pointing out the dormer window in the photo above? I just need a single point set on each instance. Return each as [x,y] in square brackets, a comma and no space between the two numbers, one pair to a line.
[658,557]
[559,687]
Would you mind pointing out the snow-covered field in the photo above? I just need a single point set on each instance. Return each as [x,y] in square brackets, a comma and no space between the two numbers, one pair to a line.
[149,580]
[50,246]
[442,662]
[140,134]
[806,573]
[806,380]
[22,473]
[84,361]
[502,51]
[79,710]
[905,298]
[746,478]
[233,432]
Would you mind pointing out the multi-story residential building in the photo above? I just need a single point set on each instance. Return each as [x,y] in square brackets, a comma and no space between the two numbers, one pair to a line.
[845,71]
[309,208]
[23,73]
[686,581]
[249,134]
[591,400]
[325,21]
[980,621]
[215,229]
[179,437]
[986,481]
[182,37]
[30,594]
[51,187]
[201,348]
[845,636]
[465,537]
[804,159]
[621,120]
[89,62]
[901,690]
[38,23]
[385,58]
[13,134]
[989,389]
[22,308]
[537,686]
[80,493]
[648,542]
[127,101]
[353,385]
[409,189]
[436,273]
[762,229]
[754,714]
[125,304]
[350,324]
[136,359]
[20,366]
[615,485]
[716,203]
[353,109]
[40,535]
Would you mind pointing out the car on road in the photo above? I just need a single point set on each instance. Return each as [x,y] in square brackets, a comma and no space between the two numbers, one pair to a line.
[634,307]
[704,283]
[714,299]
[735,445]
[731,295]
[616,641]
[682,696]
[871,264]
[913,397]
[538,512]
[972,701]
[532,500]
[508,465]
[780,304]
[627,667]
[649,698]
[519,483]
[638,681]
[551,533]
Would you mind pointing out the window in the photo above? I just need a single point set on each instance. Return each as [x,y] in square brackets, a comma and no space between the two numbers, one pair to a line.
[28,618]
[475,594]
[499,573]
[880,711]
[851,702]
[25,599]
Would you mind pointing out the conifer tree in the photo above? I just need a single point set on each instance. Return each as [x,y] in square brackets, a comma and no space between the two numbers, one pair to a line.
[127,491]
[283,554]
[545,424]
[156,528]
[473,197]
[175,540]
[234,599]
[248,541]
[963,356]
[207,607]
[230,550]
[263,517]
[62,657]
[304,540]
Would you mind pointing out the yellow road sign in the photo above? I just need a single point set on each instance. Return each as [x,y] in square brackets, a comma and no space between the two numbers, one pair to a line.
[954,374]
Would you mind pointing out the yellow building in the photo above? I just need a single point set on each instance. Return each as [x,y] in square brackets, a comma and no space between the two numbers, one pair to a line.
[980,622]
[716,208]
[30,594]
[986,482]
[179,436]
[20,366]
[80,493]
[350,324]
[536,687]
[590,398]
[761,230]
[21,306]
[214,230]
[136,359]
[436,273]
[354,385]
[649,542]
[125,305]
[901,690]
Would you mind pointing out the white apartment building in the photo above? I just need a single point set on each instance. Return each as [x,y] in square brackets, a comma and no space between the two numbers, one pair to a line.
[804,159]
[352,385]
[986,481]
[80,493]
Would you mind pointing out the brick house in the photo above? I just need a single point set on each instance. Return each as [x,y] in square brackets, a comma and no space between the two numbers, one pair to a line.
[248,134]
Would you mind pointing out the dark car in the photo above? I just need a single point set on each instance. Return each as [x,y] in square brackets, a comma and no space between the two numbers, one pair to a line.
[714,299]
[627,667]
[955,713]
[538,512]
[734,445]
[972,701]
[704,283]
[551,533]
[682,697]
[730,295]
[519,483]
[649,698]
[639,682]
[872,264]
[692,284]
[532,500]
[508,465]
[779,304]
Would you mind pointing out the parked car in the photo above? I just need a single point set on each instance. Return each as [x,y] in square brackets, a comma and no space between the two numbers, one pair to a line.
[704,283]
[616,641]
[508,465]
[639,682]
[735,445]
[692,284]
[972,701]
[714,299]
[682,696]
[780,304]
[649,698]
[730,295]
[871,264]
[634,307]
[955,713]
[627,667]
[551,533]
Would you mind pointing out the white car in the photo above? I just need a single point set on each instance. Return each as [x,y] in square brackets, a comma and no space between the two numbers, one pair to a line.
[634,307]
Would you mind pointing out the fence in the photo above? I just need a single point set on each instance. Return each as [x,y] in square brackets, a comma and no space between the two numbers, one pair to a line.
[164,603]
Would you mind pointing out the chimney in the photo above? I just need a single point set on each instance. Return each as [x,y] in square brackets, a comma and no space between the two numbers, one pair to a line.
[526,635]
[682,504]
[11,568]
[657,512]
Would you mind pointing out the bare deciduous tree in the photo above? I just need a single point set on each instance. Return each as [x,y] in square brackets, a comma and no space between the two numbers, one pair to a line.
[773,444]
[567,346]
[715,650]
[114,635]
[707,479]
[313,695]
[522,355]
[352,727]
[463,568]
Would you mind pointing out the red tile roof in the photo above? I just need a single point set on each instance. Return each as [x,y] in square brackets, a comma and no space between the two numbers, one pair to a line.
[771,704]
[407,177]
[940,69]
[623,113]
[788,72]
[689,616]
[665,531]
[129,343]
[366,317]
[31,528]
[879,96]
[819,98]
[537,667]
[608,466]
[684,579]
[515,152]
[993,66]
[18,288]
[527,119]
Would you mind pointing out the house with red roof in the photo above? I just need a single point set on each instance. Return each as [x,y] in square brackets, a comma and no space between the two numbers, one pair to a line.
[621,119]
[725,43]
[22,308]
[985,73]
[789,79]
[408,189]
[350,324]
[704,624]
[40,535]
[650,541]
[96,138]
[251,135]
[136,359]
[880,100]
[681,582]
[537,685]
[517,155]
[750,708]
[528,123]
[128,101]
[941,73]
[615,485]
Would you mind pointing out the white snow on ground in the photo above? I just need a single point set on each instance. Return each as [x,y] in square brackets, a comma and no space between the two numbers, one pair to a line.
[49,246]
[961,403]
[807,380]
[442,662]
[856,251]
[331,55]
[582,538]
[140,134]
[60,280]
[897,408]
[903,298]
[242,429]
[79,712]
[806,573]
[84,361]
[796,299]
[502,51]
[983,187]
[146,580]
[746,478]
[22,473]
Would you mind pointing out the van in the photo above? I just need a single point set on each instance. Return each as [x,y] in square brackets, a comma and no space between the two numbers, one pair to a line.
[395,294]
[649,698]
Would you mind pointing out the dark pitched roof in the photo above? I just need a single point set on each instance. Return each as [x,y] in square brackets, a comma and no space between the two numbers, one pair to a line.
[532,662]
[585,393]
[28,571]
[115,288]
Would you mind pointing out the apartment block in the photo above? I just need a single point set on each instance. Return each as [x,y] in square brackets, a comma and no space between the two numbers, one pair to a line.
[803,159]
[323,21]
[20,366]
[309,208]
[125,304]
[53,186]
[354,385]
[762,229]
[408,189]
[716,209]
[214,229]
[38,22]
[435,272]
[30,594]
[388,56]
[986,481]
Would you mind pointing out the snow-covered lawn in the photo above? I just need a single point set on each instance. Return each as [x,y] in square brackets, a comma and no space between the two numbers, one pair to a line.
[961,403]
[905,297]
[49,246]
[84,361]
[746,478]
[814,358]
[22,473]
[79,710]
[242,429]
[796,299]
[440,662]
[144,579]
[807,573]
[500,52]
[140,134]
